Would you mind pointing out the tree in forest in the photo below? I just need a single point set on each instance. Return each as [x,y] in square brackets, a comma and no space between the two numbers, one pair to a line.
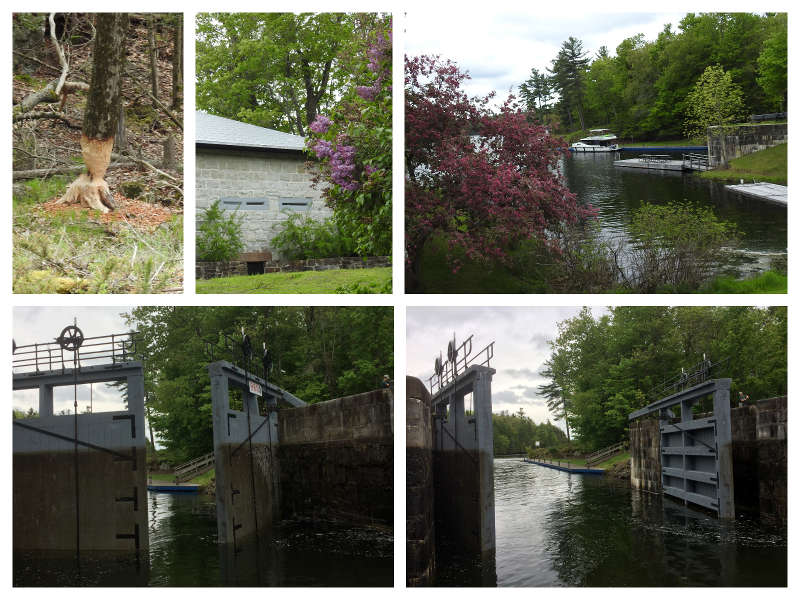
[277,70]
[568,75]
[715,101]
[554,396]
[536,92]
[353,144]
[101,114]
[483,181]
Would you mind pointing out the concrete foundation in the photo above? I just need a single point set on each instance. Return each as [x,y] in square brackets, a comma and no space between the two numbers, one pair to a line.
[420,531]
[742,140]
[107,512]
[337,459]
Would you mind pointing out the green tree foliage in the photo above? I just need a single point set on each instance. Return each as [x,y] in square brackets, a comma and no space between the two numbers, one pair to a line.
[715,101]
[569,77]
[303,237]
[773,64]
[219,234]
[537,93]
[606,366]
[516,433]
[276,70]
[641,90]
[319,353]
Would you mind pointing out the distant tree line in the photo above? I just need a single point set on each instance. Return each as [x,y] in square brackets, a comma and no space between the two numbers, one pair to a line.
[602,369]
[642,91]
[515,433]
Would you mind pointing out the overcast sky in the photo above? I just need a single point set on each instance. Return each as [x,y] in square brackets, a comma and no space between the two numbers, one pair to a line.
[500,47]
[44,324]
[521,338]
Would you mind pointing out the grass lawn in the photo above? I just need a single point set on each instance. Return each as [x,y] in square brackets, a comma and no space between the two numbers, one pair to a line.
[768,165]
[336,281]
[170,477]
[624,457]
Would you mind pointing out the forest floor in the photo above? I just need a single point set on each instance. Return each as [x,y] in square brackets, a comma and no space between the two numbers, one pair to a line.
[137,248]
[335,281]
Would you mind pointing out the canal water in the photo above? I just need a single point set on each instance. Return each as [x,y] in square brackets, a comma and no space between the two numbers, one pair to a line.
[559,529]
[616,192]
[184,552]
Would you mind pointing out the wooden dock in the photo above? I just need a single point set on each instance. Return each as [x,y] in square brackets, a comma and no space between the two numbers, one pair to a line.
[770,192]
[665,162]
[565,466]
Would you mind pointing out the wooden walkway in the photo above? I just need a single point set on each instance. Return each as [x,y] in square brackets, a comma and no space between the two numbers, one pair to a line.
[657,165]
[771,192]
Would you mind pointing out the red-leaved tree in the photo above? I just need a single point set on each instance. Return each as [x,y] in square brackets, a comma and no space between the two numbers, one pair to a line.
[483,180]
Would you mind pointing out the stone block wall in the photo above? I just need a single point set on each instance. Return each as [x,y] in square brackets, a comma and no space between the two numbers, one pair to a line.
[744,140]
[209,270]
[420,534]
[760,458]
[337,459]
[257,175]
[646,455]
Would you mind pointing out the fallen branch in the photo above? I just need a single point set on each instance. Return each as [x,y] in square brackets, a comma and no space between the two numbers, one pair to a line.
[56,116]
[48,94]
[167,111]
[41,62]
[144,163]
[36,173]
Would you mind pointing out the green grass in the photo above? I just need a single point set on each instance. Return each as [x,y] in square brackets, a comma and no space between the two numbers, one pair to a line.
[624,457]
[72,252]
[768,165]
[769,282]
[338,281]
[202,479]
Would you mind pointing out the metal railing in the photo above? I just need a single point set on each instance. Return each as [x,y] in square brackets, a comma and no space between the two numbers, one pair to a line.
[696,374]
[599,456]
[654,158]
[695,161]
[188,470]
[50,356]
[450,370]
[768,117]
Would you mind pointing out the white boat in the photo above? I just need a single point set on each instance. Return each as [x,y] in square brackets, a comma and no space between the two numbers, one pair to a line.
[600,140]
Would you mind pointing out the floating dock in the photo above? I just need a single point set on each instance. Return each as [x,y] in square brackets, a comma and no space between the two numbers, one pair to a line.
[771,192]
[568,468]
[174,488]
[661,165]
[664,149]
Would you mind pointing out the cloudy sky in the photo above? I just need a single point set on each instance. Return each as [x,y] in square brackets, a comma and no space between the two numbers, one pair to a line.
[520,335]
[500,47]
[44,324]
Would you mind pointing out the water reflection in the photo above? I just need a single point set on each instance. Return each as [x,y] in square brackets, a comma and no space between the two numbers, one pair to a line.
[557,529]
[184,552]
[617,192]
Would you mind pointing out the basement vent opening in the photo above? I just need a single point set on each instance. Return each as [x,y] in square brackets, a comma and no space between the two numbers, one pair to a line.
[295,204]
[244,203]
[255,267]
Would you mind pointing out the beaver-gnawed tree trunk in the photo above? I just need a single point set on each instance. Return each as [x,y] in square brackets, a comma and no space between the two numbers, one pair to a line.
[102,113]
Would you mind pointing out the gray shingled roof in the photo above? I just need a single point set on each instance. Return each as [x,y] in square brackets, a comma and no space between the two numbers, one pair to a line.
[219,131]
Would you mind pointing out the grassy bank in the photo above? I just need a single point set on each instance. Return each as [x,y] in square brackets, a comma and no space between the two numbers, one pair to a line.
[338,281]
[770,282]
[770,166]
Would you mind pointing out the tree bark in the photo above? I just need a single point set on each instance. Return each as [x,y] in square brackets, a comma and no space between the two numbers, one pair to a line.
[177,65]
[102,113]
[153,51]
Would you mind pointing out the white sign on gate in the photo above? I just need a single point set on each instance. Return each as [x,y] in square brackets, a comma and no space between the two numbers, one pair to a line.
[255,388]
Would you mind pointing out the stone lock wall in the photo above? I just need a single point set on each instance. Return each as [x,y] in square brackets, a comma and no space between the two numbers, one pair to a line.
[760,458]
[337,459]
[646,455]
[420,534]
[254,175]
[744,140]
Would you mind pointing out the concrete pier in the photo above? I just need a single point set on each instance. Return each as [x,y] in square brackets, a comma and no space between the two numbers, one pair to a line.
[769,192]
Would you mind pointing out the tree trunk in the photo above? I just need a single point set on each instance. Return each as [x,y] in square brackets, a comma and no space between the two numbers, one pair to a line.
[177,65]
[102,113]
[168,161]
[153,50]
[121,138]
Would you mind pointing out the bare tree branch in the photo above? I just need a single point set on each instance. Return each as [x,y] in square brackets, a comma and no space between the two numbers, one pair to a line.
[61,58]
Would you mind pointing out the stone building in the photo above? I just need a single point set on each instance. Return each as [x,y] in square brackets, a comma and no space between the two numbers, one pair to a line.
[259,172]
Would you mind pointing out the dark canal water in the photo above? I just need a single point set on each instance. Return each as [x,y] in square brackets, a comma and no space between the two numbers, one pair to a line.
[558,529]
[617,192]
[184,552]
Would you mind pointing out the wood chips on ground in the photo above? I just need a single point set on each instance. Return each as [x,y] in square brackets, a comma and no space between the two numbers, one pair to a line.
[140,214]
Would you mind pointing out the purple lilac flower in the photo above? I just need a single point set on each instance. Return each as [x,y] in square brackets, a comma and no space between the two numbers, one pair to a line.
[367,92]
[320,124]
[322,148]
[369,169]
